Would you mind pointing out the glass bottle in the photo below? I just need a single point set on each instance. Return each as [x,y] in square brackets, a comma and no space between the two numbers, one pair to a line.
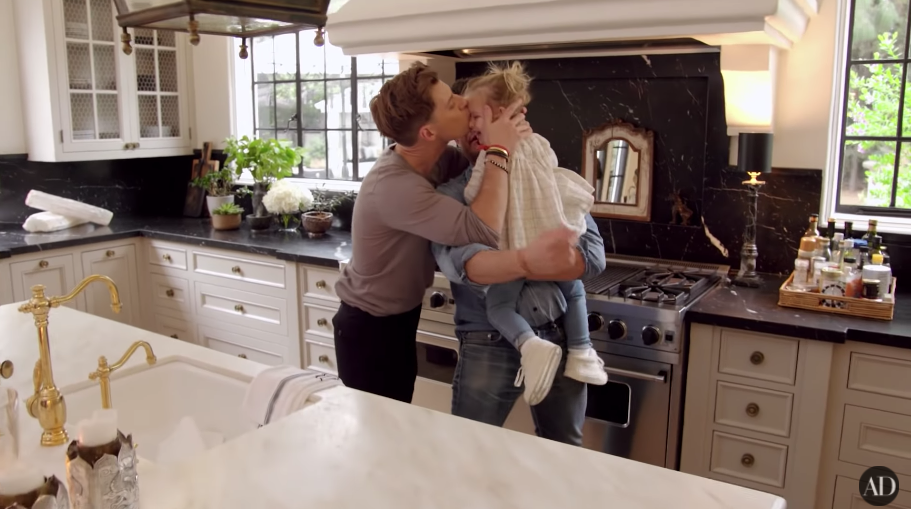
[849,230]
[830,230]
[852,278]
[871,232]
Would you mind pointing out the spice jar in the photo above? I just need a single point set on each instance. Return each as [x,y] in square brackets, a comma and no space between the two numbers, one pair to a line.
[871,289]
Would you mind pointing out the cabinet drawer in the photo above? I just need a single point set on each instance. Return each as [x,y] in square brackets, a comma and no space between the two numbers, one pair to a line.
[752,408]
[170,292]
[175,328]
[748,459]
[847,496]
[167,256]
[880,375]
[318,321]
[873,437]
[249,271]
[56,273]
[227,305]
[243,346]
[320,283]
[758,357]
[321,357]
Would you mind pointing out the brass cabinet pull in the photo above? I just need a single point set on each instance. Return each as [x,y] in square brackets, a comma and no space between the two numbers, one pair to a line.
[136,145]
[321,284]
[109,253]
[169,292]
[166,257]
[242,355]
[43,264]
[322,322]
[6,369]
[174,336]
[757,358]
[239,308]
[747,460]
[324,359]
[752,409]
[235,269]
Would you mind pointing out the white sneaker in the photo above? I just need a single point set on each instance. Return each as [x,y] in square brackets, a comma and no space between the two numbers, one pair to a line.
[585,366]
[540,360]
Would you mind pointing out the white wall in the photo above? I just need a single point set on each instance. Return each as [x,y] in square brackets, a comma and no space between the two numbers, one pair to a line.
[12,126]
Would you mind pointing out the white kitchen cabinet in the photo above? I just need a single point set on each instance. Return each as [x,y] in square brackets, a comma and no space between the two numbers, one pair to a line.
[754,406]
[84,99]
[56,272]
[118,263]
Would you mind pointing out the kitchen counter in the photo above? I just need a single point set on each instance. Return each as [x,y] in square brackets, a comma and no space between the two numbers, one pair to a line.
[352,449]
[757,309]
[326,251]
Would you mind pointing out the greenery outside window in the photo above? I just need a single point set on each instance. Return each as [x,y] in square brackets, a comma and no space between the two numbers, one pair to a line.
[318,98]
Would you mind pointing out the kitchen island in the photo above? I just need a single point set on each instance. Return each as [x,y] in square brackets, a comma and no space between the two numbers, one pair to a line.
[351,449]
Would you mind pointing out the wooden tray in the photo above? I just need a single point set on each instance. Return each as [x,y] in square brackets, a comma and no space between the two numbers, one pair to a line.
[848,305]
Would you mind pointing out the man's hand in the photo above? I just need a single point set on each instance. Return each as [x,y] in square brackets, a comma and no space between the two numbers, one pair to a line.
[553,252]
[507,129]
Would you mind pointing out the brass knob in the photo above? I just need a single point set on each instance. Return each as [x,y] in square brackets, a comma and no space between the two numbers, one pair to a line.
[6,369]
[235,269]
[43,264]
[109,253]
[174,336]
[322,322]
[321,284]
[752,409]
[239,308]
[747,460]
[166,257]
[324,359]
[136,145]
[757,358]
[169,292]
[242,355]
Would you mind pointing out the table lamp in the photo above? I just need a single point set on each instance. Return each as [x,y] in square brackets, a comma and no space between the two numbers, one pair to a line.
[754,157]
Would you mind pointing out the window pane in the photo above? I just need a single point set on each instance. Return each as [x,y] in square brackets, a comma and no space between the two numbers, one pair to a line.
[366,90]
[313,105]
[370,65]
[866,177]
[314,157]
[337,64]
[338,104]
[263,59]
[340,156]
[879,29]
[873,100]
[906,114]
[265,100]
[903,195]
[390,67]
[313,58]
[370,148]
[285,57]
[285,105]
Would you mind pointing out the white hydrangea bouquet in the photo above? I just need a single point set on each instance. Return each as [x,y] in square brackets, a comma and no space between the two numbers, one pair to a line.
[286,200]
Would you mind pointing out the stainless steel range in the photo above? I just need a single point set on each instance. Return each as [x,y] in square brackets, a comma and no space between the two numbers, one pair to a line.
[636,309]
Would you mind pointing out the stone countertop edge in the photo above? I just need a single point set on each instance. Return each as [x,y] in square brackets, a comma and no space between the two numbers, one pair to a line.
[757,310]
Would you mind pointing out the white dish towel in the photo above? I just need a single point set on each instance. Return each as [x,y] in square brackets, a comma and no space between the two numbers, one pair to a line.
[68,208]
[282,390]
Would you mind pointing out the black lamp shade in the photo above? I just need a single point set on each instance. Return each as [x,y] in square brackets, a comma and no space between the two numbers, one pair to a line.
[754,154]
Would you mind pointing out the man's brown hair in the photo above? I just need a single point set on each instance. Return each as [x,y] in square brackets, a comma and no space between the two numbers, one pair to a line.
[404,104]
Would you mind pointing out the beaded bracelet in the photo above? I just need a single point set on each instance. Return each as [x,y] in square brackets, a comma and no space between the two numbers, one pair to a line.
[498,165]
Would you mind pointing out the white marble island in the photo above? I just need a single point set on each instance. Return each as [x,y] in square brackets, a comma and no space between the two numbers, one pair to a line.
[356,450]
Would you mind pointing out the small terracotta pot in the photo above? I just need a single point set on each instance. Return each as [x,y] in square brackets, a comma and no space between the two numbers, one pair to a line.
[317,223]
[226,222]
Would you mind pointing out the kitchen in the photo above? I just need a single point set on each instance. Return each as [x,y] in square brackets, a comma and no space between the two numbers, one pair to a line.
[696,215]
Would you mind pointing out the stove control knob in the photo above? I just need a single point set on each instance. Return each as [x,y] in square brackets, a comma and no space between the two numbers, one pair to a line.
[616,329]
[650,335]
[595,322]
[437,300]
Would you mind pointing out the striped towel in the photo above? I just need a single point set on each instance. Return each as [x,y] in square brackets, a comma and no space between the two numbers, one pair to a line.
[282,390]
[542,196]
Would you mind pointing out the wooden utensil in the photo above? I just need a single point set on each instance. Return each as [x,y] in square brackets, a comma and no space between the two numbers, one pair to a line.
[193,206]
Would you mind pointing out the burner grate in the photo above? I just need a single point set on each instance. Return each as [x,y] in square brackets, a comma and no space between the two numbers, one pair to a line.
[612,276]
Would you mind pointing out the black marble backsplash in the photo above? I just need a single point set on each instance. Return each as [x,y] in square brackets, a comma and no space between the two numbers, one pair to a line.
[681,99]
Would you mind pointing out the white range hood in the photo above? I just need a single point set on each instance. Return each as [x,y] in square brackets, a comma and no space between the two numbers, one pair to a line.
[424,26]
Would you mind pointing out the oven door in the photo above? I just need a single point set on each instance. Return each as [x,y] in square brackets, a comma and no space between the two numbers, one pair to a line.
[438,355]
[628,417]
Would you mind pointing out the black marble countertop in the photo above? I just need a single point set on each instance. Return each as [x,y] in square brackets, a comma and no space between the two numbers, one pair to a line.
[325,251]
[757,309]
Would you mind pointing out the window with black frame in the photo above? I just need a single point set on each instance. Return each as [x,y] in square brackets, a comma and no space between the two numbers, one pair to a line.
[875,170]
[318,98]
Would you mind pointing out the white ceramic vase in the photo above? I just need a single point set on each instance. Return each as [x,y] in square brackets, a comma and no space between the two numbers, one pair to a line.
[213,202]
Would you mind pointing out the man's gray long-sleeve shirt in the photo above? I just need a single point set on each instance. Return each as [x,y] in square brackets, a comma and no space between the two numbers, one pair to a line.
[540,302]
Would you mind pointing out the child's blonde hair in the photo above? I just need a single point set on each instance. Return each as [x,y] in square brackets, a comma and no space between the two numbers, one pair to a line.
[505,84]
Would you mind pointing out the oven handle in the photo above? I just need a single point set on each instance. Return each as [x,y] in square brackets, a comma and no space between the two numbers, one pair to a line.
[661,377]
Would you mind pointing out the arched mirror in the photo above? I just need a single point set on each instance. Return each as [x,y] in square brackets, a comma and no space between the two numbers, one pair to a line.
[617,162]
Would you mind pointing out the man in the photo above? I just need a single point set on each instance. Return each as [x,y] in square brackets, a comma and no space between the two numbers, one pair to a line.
[483,386]
[398,213]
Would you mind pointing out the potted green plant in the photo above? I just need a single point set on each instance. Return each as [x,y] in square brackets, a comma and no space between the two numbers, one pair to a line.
[267,160]
[318,219]
[226,217]
[219,186]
